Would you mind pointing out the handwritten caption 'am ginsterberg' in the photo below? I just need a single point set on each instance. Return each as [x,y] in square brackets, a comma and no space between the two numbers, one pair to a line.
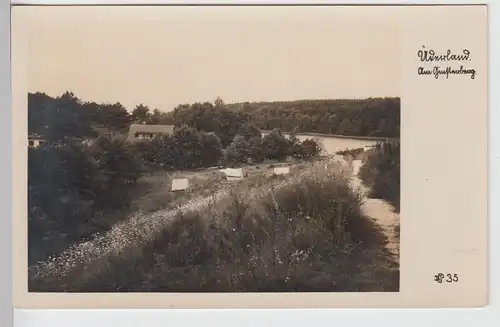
[430,56]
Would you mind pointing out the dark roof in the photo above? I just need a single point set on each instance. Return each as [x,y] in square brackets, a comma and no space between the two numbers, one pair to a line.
[34,137]
[154,129]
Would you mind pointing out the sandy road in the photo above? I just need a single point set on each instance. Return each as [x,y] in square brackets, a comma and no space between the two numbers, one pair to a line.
[377,209]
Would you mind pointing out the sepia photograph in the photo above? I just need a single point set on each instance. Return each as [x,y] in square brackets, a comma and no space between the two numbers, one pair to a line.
[174,152]
[224,156]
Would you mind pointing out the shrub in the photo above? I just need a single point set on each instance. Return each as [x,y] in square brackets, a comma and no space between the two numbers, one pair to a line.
[381,172]
[238,150]
[353,153]
[75,191]
[187,148]
[310,148]
[275,145]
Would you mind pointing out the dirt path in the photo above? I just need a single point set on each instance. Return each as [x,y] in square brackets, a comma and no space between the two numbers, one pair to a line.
[377,209]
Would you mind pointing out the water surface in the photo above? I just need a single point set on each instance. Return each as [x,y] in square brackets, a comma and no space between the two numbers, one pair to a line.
[333,144]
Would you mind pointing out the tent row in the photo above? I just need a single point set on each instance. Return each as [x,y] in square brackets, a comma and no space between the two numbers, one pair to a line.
[231,174]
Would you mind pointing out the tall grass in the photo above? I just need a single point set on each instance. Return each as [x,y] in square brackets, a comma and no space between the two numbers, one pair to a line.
[278,235]
[153,191]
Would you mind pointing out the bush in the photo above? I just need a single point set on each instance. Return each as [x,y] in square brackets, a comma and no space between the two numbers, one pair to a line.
[310,148]
[381,172]
[275,145]
[238,150]
[187,148]
[353,153]
[76,190]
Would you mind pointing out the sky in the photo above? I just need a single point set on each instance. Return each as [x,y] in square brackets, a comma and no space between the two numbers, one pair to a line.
[165,56]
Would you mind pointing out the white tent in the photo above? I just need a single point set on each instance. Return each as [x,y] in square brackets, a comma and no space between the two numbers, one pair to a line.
[179,184]
[281,170]
[233,173]
[356,165]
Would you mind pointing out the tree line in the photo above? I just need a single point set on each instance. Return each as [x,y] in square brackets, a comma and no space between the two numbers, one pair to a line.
[68,115]
[378,117]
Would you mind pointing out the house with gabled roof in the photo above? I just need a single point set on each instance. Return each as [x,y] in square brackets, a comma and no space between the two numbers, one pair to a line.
[35,140]
[143,131]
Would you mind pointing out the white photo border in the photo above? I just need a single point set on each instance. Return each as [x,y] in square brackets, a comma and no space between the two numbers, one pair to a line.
[352,317]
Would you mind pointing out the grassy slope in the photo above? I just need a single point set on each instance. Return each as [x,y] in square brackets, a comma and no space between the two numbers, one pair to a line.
[266,235]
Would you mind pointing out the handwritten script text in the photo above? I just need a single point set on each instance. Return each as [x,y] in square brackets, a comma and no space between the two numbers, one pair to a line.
[431,56]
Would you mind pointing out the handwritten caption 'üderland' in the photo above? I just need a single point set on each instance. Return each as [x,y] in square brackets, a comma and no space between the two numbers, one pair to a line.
[440,61]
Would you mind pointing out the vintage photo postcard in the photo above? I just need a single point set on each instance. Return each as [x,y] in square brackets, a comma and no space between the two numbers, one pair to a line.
[249,156]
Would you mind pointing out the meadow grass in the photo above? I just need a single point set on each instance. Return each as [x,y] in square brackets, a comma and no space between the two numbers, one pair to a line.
[266,234]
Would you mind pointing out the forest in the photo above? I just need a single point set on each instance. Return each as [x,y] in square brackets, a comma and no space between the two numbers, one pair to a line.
[68,115]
